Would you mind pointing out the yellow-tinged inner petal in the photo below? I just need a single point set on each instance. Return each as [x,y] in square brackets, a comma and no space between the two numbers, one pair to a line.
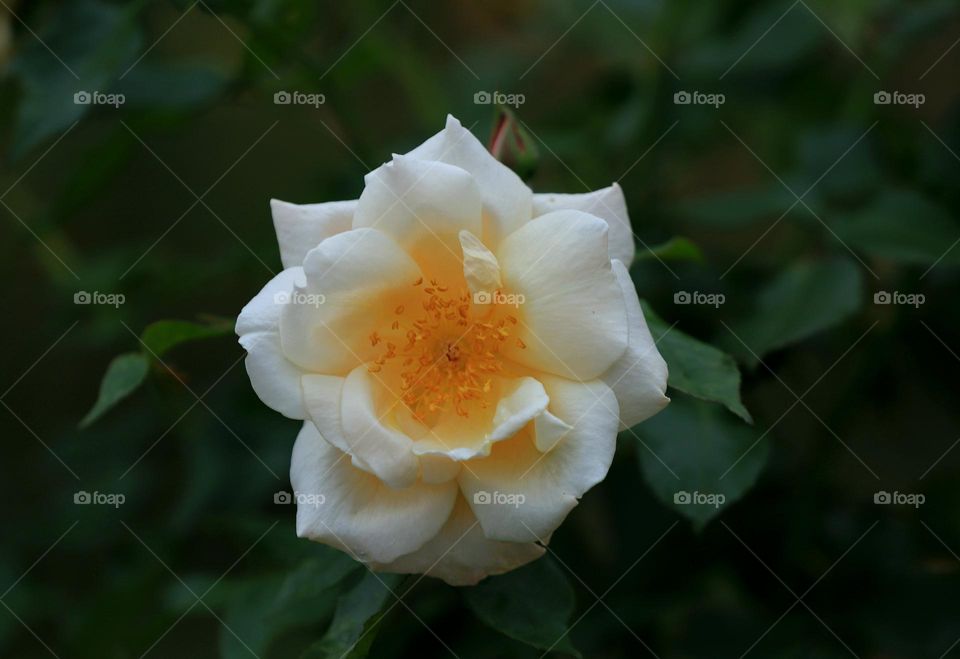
[442,350]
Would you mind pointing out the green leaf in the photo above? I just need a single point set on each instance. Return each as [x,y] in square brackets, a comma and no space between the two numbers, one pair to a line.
[261,610]
[697,368]
[807,298]
[161,336]
[296,602]
[244,617]
[903,226]
[96,40]
[710,455]
[532,604]
[677,248]
[124,374]
[353,629]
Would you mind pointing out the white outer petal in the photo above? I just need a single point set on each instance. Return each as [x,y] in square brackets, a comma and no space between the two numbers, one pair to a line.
[639,377]
[507,201]
[551,483]
[360,514]
[438,468]
[607,203]
[301,227]
[322,396]
[574,317]
[413,200]
[262,313]
[274,378]
[461,555]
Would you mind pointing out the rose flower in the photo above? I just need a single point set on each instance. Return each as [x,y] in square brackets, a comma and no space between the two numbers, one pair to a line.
[462,353]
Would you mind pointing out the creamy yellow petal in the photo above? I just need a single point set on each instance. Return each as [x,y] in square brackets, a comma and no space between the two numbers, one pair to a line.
[520,494]
[352,281]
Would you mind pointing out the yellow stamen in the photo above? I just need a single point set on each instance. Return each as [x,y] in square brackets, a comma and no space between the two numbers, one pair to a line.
[447,357]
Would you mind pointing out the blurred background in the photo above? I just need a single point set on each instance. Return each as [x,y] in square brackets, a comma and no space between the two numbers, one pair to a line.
[805,153]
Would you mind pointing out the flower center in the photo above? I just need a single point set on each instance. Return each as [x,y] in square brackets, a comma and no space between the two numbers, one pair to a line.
[445,353]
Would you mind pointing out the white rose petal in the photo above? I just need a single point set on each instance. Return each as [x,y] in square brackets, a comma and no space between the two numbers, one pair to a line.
[576,319]
[639,377]
[608,204]
[359,513]
[507,202]
[462,555]
[275,379]
[549,483]
[301,227]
